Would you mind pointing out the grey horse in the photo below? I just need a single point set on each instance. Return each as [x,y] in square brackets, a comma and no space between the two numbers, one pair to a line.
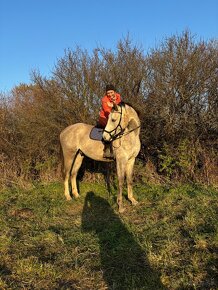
[122,129]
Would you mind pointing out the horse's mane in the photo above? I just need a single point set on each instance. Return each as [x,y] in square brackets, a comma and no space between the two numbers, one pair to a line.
[130,105]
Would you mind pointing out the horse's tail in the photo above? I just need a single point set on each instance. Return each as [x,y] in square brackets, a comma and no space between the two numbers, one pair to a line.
[61,163]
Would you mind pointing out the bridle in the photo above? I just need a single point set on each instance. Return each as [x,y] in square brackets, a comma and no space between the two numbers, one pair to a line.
[119,134]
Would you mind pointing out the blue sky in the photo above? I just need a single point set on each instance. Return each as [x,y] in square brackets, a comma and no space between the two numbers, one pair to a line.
[35,33]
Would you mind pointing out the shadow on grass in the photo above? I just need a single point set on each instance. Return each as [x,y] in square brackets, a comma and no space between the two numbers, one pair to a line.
[123,261]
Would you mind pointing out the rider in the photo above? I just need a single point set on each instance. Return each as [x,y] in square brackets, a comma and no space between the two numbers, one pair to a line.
[111,97]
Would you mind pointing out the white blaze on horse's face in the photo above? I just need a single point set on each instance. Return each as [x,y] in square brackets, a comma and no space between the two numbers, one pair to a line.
[113,126]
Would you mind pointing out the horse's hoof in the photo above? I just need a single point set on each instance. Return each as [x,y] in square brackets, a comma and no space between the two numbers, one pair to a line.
[68,198]
[134,202]
[121,210]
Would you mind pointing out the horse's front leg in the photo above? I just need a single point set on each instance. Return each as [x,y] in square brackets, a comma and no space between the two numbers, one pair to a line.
[121,175]
[129,174]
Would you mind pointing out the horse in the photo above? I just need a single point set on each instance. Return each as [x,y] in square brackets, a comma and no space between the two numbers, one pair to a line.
[122,130]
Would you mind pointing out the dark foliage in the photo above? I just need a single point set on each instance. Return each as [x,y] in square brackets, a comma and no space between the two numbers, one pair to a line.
[174,87]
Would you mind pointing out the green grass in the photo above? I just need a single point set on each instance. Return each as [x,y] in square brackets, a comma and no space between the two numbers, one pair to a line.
[168,241]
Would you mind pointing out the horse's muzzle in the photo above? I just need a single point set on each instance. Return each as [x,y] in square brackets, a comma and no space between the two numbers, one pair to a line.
[107,136]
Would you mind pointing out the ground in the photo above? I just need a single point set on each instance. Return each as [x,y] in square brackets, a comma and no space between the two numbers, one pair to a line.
[167,241]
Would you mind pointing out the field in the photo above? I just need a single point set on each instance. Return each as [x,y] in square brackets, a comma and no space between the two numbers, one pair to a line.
[168,241]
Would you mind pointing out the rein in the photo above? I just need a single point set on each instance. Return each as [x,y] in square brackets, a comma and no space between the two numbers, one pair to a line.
[131,130]
[121,134]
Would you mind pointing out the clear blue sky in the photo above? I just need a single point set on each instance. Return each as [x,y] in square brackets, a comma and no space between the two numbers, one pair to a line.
[35,33]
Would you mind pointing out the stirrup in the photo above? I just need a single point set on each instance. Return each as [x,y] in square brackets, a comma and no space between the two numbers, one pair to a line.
[108,153]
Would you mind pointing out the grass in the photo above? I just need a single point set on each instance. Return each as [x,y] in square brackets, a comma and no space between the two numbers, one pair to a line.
[168,241]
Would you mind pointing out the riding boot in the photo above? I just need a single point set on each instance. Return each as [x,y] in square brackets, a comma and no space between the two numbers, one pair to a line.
[108,153]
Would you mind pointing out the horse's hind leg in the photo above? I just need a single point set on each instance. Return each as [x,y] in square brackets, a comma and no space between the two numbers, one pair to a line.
[129,173]
[76,166]
[68,160]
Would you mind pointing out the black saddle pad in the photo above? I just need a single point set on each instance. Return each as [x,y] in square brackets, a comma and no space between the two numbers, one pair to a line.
[96,134]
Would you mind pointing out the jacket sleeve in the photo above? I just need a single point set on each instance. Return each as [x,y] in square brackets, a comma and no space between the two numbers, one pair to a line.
[105,106]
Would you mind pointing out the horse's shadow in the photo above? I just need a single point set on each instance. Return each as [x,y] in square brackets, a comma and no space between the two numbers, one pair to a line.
[92,166]
[123,261]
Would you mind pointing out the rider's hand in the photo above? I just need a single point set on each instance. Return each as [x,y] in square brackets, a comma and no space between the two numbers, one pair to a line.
[110,104]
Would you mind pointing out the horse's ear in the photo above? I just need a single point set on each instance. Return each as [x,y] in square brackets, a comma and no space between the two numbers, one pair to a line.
[115,107]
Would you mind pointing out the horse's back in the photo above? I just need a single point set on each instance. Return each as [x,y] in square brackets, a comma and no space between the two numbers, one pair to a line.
[73,133]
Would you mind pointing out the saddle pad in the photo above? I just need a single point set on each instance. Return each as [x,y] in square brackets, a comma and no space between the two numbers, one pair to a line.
[96,134]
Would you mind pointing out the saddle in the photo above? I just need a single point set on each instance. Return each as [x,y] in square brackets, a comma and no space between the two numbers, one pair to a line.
[96,134]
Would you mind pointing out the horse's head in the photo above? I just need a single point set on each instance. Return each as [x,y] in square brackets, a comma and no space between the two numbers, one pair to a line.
[114,127]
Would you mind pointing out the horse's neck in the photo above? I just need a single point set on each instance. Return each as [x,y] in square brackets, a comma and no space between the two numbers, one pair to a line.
[134,121]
